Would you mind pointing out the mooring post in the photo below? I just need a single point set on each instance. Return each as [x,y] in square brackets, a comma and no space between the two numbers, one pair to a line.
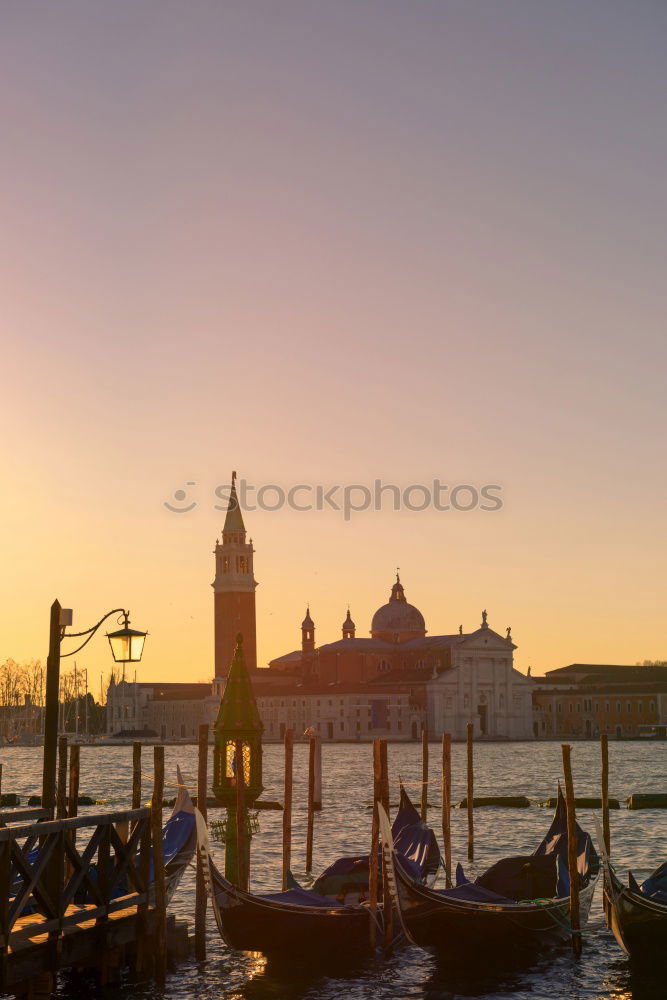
[200,885]
[375,840]
[136,775]
[572,869]
[61,796]
[387,905]
[287,805]
[446,804]
[424,802]
[606,836]
[158,867]
[74,769]
[317,779]
[604,750]
[470,793]
[51,712]
[0,781]
[143,955]
[242,847]
[311,802]
[73,798]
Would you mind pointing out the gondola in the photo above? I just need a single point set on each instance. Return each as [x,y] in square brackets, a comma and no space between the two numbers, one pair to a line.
[179,839]
[520,905]
[179,842]
[331,919]
[637,914]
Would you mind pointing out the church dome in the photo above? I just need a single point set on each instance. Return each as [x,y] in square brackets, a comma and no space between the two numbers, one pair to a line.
[397,617]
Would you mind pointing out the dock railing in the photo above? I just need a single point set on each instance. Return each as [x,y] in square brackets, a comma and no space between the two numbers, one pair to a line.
[51,882]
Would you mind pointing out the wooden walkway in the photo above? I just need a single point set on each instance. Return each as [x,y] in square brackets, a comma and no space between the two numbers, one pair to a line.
[73,895]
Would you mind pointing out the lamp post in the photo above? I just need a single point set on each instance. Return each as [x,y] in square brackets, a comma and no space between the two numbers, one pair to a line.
[126,646]
[238,725]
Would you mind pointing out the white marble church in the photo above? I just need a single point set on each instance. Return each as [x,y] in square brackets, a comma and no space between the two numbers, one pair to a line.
[481,686]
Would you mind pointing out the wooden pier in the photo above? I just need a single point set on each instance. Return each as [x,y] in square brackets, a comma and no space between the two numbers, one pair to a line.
[72,896]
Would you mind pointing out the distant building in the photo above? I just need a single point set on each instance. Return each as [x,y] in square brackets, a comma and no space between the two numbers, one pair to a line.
[394,683]
[586,699]
[166,711]
[450,680]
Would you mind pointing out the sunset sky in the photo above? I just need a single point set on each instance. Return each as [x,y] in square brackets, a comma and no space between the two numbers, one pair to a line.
[328,243]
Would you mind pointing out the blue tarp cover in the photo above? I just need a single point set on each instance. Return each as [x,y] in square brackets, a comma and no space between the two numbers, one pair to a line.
[554,843]
[414,842]
[655,885]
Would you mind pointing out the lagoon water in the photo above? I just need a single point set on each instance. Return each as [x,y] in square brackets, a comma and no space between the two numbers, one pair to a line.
[639,839]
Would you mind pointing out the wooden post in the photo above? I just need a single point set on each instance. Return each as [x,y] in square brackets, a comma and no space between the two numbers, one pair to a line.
[0,781]
[387,905]
[287,805]
[572,851]
[74,768]
[160,950]
[317,779]
[73,799]
[200,885]
[447,804]
[241,831]
[424,803]
[375,839]
[51,712]
[136,775]
[604,750]
[144,956]
[470,794]
[311,803]
[61,796]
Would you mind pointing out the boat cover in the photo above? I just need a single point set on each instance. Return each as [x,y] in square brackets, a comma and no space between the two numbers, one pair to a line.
[655,886]
[517,878]
[555,842]
[414,841]
[532,877]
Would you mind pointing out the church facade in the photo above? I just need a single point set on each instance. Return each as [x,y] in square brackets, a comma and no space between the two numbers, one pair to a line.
[449,680]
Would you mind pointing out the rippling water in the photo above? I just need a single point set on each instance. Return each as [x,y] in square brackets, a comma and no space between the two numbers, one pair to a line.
[639,839]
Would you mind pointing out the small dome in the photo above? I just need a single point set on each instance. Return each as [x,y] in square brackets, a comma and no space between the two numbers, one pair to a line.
[348,623]
[307,621]
[397,616]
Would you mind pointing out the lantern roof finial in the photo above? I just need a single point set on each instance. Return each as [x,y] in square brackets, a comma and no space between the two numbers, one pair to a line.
[238,714]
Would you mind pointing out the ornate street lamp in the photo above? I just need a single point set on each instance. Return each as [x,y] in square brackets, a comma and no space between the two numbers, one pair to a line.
[238,725]
[126,645]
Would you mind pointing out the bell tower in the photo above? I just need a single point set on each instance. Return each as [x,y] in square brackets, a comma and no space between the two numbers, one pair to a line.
[307,633]
[234,590]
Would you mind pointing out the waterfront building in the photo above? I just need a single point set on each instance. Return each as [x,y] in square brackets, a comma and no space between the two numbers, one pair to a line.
[586,699]
[449,680]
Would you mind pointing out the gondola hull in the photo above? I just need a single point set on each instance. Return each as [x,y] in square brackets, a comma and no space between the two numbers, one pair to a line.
[249,922]
[638,922]
[461,929]
[312,925]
